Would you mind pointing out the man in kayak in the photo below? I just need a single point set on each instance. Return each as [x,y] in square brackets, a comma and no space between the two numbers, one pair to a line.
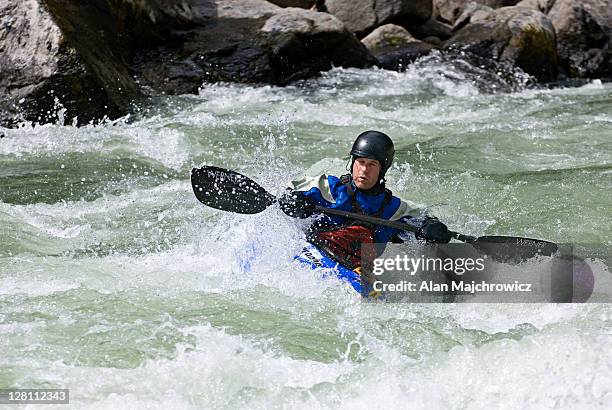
[362,191]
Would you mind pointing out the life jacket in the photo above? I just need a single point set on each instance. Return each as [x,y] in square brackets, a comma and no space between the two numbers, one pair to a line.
[344,243]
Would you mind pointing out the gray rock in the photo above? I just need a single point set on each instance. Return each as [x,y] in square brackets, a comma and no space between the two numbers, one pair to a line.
[249,41]
[449,10]
[389,35]
[520,36]
[543,6]
[584,33]
[272,46]
[473,12]
[98,57]
[432,40]
[43,78]
[432,28]
[305,42]
[304,4]
[362,16]
[231,9]
[217,40]
[195,41]
[394,47]
[296,20]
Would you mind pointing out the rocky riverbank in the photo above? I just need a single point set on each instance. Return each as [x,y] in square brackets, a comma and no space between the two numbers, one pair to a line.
[65,60]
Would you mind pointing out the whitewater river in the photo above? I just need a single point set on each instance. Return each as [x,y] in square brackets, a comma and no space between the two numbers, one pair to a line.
[116,283]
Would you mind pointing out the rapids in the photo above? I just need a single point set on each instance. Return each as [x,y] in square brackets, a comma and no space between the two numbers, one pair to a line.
[115,282]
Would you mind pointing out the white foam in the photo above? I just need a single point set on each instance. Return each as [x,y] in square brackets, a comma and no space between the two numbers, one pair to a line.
[165,145]
[223,370]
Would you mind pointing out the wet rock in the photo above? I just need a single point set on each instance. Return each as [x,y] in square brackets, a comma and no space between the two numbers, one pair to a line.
[389,35]
[215,41]
[304,4]
[487,75]
[517,35]
[399,58]
[250,41]
[95,58]
[543,6]
[432,28]
[362,16]
[43,78]
[584,33]
[303,42]
[432,40]
[473,12]
[394,47]
[449,10]
[253,45]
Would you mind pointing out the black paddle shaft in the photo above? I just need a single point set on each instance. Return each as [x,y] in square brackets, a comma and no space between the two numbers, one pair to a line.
[502,247]
[231,191]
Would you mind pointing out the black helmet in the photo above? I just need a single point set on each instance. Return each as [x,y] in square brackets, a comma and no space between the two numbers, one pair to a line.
[374,145]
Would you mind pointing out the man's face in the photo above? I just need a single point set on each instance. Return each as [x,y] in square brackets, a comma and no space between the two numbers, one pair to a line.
[365,172]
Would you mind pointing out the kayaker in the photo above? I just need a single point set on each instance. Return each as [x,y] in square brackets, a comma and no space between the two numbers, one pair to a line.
[362,191]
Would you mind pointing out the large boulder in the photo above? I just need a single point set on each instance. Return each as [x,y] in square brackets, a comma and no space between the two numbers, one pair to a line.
[96,58]
[584,35]
[304,4]
[249,41]
[520,36]
[432,28]
[389,35]
[474,12]
[362,16]
[171,46]
[108,35]
[303,42]
[216,40]
[541,5]
[449,10]
[44,78]
[394,47]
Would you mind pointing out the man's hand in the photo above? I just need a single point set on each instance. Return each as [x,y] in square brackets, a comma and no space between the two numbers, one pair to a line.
[296,204]
[434,231]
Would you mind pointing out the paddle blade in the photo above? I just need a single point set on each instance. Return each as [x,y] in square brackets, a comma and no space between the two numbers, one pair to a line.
[513,248]
[229,191]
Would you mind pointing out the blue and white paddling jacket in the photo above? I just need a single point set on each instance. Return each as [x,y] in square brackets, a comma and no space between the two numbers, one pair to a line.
[333,192]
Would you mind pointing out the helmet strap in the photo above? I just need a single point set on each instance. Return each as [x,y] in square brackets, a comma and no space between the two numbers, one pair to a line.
[348,167]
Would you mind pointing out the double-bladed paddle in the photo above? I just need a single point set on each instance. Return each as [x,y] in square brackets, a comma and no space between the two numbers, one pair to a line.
[230,191]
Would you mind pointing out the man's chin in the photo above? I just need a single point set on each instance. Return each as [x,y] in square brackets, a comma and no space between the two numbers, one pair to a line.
[362,186]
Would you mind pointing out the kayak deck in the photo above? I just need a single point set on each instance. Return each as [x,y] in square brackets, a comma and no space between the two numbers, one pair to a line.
[313,257]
